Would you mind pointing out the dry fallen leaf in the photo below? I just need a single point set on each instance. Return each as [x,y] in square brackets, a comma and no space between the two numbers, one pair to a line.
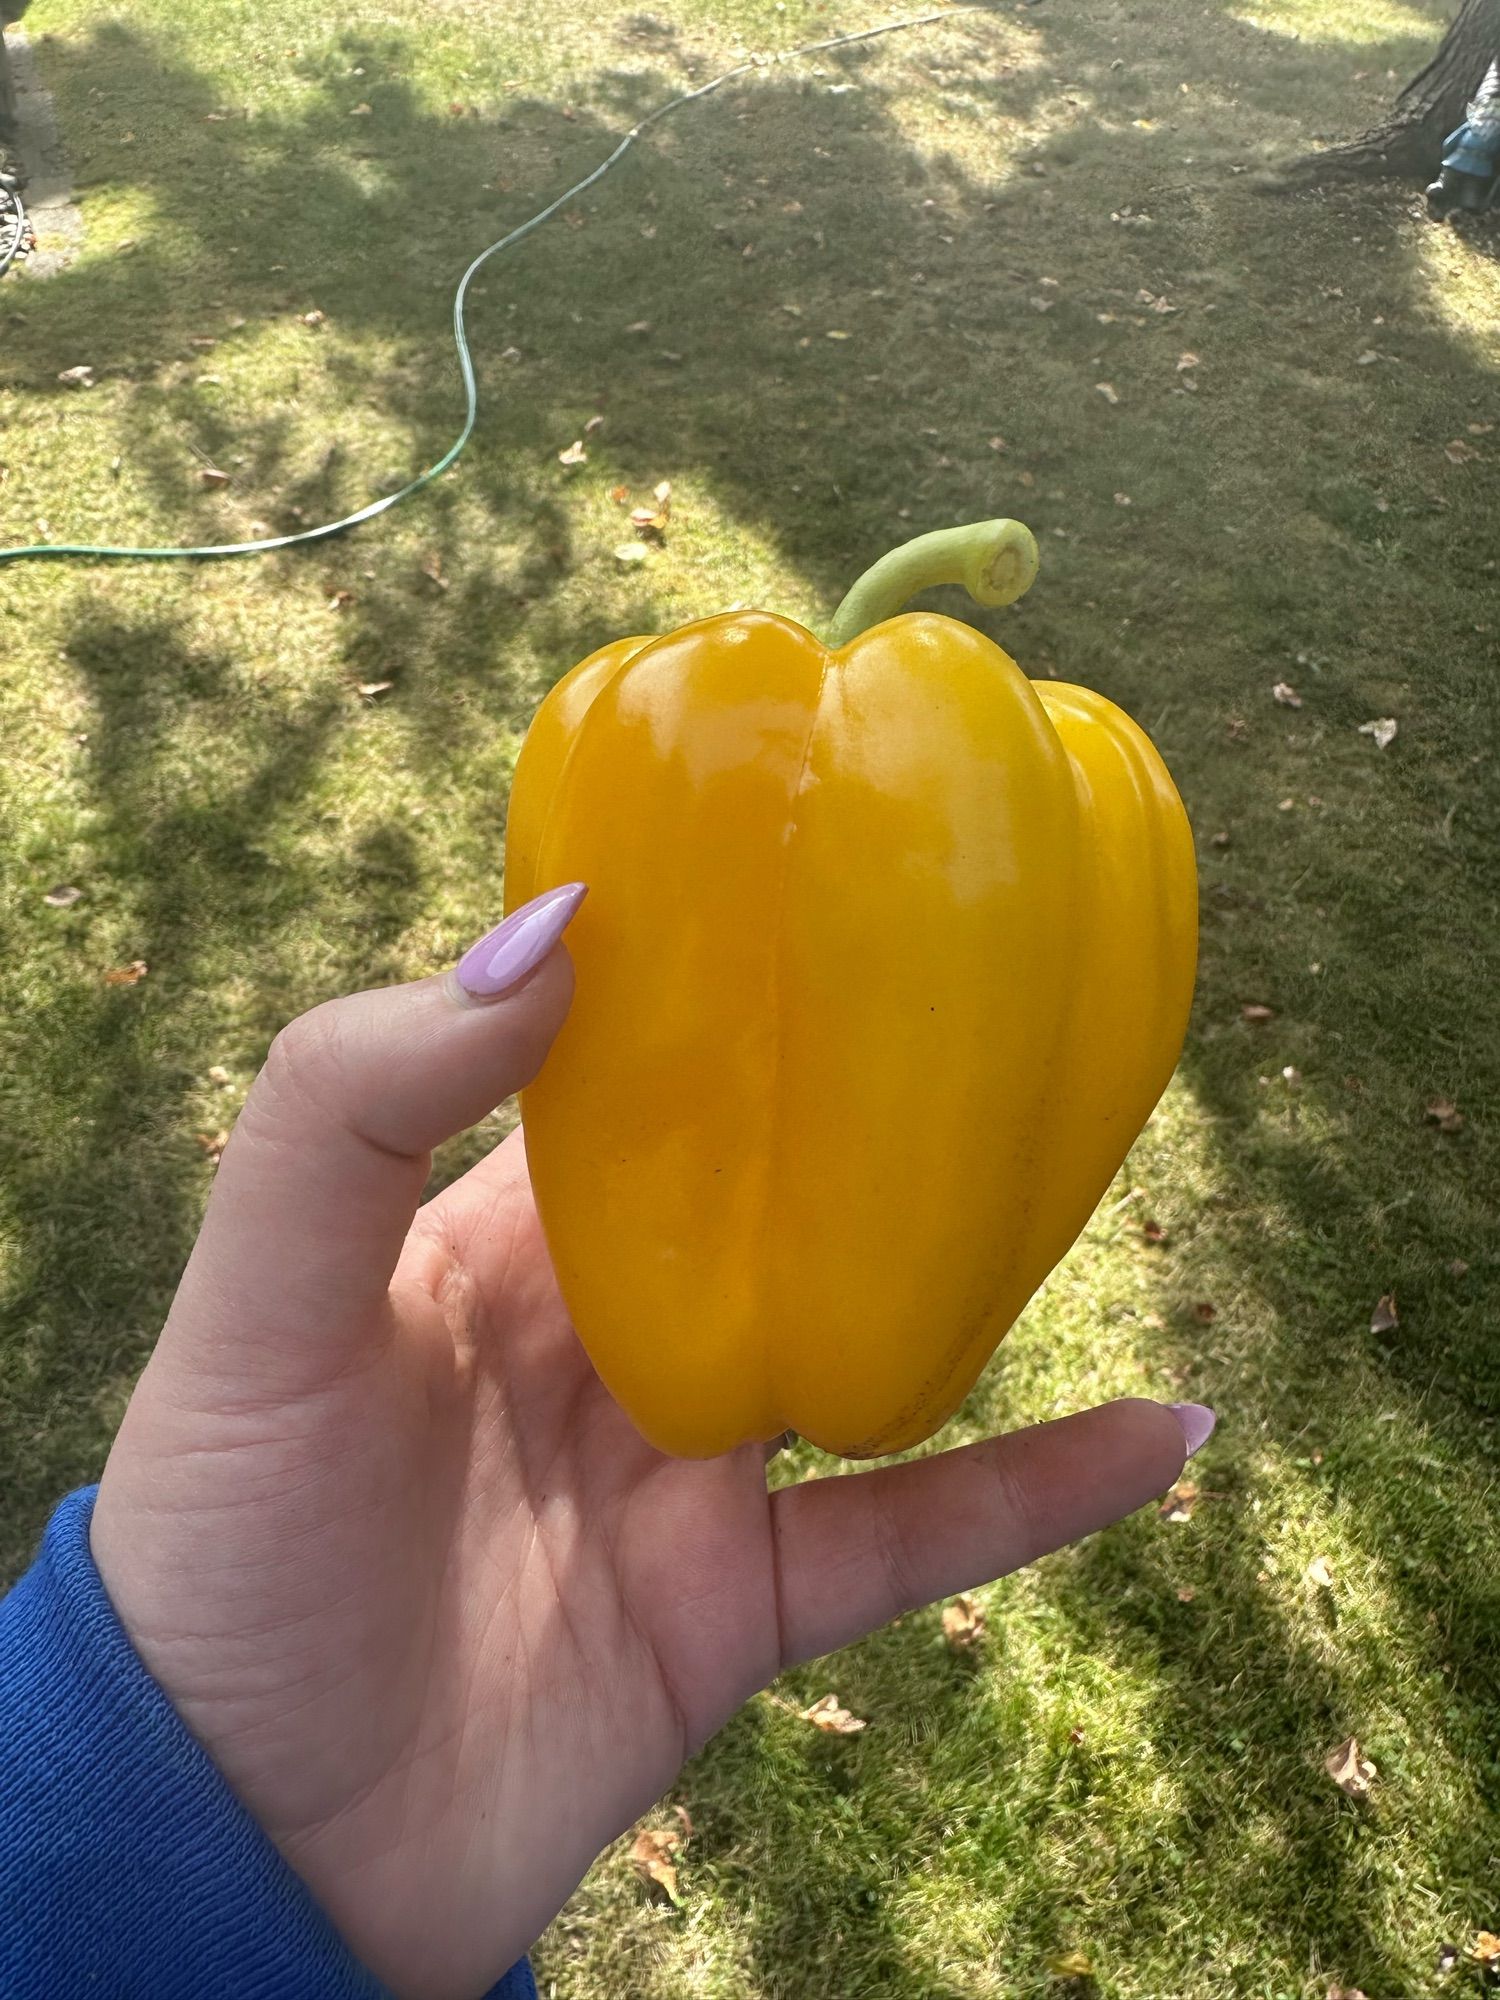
[218,1074]
[1186,1593]
[127,975]
[81,377]
[340,600]
[1287,696]
[1186,361]
[212,1143]
[1458,450]
[837,333]
[1350,1769]
[1205,1313]
[1108,391]
[1446,1115]
[63,897]
[370,689]
[1255,1012]
[1071,1965]
[1318,1572]
[661,492]
[314,318]
[573,454]
[1458,1267]
[631,552]
[1485,1950]
[1219,840]
[1178,1505]
[595,423]
[963,1623]
[826,1714]
[432,569]
[652,1857]
[1383,730]
[1384,1317]
[210,475]
[1337,1992]
[997,443]
[1153,1232]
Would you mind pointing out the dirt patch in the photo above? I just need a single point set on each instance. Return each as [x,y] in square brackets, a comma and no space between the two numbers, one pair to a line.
[37,152]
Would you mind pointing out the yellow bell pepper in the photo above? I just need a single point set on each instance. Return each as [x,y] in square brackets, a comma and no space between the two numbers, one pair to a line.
[887,956]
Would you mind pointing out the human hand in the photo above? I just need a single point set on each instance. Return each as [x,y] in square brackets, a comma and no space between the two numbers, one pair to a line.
[442,1618]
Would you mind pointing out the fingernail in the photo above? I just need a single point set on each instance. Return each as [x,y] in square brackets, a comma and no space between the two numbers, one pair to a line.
[503,958]
[1197,1421]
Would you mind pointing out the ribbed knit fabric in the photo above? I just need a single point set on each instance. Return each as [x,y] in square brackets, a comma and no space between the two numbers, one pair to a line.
[128,1869]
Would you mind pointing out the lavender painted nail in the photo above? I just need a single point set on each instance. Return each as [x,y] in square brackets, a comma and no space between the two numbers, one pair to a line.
[1197,1421]
[503,958]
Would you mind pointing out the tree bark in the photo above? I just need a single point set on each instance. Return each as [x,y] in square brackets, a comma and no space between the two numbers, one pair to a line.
[8,110]
[1427,109]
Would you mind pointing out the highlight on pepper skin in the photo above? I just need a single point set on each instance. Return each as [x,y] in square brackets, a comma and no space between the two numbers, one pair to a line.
[887,958]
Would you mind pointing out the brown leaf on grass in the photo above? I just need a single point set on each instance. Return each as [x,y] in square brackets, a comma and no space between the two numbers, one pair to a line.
[963,1623]
[212,1144]
[573,454]
[1108,391]
[1350,1769]
[1219,840]
[1071,1965]
[210,475]
[81,377]
[1153,1232]
[1384,1317]
[827,1714]
[219,1075]
[63,897]
[619,494]
[314,318]
[432,569]
[631,552]
[1255,1012]
[1383,729]
[1185,361]
[371,689]
[1458,451]
[594,424]
[1458,1267]
[646,519]
[340,600]
[1205,1312]
[652,1856]
[997,443]
[1319,1572]
[1186,1593]
[1485,1950]
[1286,695]
[127,975]
[1445,1114]
[1337,1992]
[1178,1505]
[661,493]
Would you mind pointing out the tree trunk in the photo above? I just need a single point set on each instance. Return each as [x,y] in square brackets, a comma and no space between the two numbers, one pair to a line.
[8,112]
[1428,108]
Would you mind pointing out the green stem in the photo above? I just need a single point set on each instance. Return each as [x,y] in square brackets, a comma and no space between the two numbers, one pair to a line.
[995,561]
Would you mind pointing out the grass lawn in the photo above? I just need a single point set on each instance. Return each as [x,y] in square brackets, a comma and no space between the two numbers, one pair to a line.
[1015,263]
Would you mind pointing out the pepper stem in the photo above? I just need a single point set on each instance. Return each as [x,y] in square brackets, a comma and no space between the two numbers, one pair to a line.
[995,561]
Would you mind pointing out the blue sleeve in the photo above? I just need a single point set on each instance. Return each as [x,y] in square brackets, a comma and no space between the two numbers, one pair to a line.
[128,1869]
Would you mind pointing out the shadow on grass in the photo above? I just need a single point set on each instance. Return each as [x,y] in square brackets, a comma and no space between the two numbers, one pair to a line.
[1283,501]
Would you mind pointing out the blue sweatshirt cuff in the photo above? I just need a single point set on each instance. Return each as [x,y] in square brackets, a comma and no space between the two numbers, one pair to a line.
[128,1868]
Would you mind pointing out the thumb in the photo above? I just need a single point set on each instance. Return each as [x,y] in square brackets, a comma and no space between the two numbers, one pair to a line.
[323,1173]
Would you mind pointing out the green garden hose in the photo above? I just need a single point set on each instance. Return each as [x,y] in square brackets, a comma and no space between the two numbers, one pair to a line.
[98,552]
